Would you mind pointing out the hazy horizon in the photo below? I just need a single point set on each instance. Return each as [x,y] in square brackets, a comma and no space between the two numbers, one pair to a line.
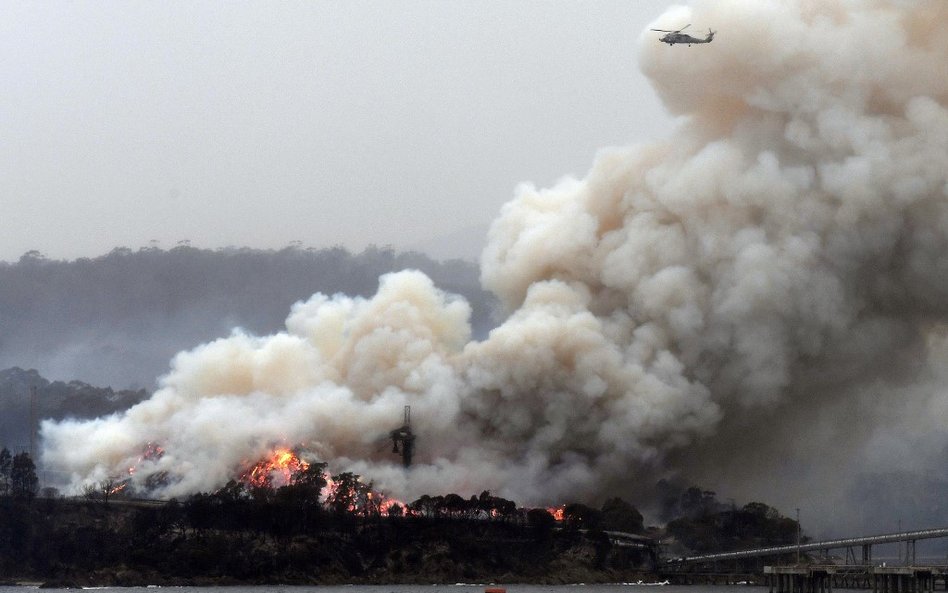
[331,123]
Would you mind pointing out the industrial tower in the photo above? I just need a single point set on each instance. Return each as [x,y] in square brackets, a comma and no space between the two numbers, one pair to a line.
[404,437]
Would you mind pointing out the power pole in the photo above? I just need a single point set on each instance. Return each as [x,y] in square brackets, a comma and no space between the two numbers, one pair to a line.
[33,423]
[798,536]
[899,530]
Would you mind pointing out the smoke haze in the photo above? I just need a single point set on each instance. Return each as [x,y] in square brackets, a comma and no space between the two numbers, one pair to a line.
[117,319]
[756,304]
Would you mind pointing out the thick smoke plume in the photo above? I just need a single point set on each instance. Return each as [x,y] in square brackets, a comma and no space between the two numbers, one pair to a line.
[747,304]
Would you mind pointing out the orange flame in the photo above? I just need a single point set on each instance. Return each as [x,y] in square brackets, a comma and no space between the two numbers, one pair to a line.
[275,471]
[375,502]
[151,451]
[559,513]
[279,468]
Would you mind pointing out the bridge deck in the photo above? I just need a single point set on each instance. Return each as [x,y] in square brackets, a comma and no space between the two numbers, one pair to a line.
[903,536]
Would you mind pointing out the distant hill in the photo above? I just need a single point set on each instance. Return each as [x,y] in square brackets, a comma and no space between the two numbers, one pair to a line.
[466,242]
[119,318]
[54,399]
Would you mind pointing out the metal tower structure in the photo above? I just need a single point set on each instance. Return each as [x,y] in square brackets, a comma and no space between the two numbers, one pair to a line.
[403,437]
[33,423]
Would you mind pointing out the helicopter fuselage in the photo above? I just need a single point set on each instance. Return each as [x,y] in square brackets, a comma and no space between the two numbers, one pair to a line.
[673,38]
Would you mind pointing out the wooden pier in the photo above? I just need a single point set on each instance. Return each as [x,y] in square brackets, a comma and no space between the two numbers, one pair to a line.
[800,578]
[907,579]
[822,578]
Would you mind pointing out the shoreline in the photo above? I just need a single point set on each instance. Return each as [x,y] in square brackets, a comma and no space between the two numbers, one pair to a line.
[53,586]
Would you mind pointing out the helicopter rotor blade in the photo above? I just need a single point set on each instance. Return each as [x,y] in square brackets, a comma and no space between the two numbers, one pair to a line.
[663,30]
[683,28]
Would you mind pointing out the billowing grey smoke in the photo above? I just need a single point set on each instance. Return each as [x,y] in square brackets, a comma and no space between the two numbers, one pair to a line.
[743,303]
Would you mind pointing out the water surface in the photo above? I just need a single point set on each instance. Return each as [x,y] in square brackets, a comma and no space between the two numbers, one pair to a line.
[458,588]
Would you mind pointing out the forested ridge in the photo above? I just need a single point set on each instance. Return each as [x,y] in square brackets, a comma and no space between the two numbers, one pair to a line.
[116,320]
[53,399]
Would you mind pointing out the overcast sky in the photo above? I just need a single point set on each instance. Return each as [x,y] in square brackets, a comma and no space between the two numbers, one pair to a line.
[345,122]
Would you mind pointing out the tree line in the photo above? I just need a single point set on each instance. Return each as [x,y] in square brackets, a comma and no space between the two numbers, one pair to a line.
[312,496]
[17,475]
[313,500]
[700,522]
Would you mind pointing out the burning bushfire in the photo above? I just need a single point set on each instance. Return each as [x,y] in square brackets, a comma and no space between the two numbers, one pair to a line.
[286,467]
[279,469]
[343,492]
[150,452]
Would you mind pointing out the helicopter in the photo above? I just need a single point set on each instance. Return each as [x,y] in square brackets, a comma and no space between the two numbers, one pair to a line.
[674,37]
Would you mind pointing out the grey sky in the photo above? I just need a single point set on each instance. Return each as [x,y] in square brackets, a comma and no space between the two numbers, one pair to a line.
[257,124]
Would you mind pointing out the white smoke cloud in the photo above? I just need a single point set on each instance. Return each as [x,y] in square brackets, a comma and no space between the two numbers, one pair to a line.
[740,300]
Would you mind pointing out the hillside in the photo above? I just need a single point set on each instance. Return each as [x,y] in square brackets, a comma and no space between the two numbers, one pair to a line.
[85,543]
[54,399]
[118,319]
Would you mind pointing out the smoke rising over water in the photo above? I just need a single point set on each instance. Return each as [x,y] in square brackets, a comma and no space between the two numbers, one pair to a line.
[747,304]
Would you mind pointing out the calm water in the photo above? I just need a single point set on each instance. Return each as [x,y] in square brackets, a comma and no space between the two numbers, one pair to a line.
[424,589]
